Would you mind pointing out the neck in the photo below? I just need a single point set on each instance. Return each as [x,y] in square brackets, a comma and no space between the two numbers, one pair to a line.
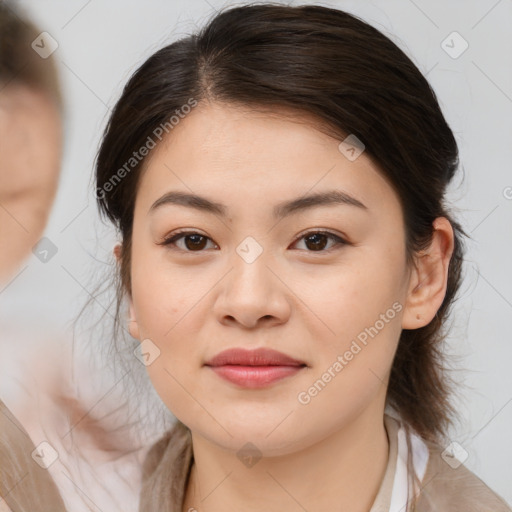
[343,472]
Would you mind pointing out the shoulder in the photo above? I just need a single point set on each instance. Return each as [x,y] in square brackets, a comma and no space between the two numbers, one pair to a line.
[174,447]
[14,441]
[166,469]
[24,484]
[454,487]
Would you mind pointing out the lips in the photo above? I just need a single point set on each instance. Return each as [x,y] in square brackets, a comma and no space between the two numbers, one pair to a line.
[258,357]
[254,368]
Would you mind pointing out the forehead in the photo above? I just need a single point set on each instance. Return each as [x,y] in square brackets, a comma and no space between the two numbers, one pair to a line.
[222,131]
[241,153]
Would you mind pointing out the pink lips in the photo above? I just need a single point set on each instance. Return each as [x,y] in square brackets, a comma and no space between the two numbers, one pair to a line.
[254,368]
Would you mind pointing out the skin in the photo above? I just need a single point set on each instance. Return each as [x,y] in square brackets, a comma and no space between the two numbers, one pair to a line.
[30,145]
[332,452]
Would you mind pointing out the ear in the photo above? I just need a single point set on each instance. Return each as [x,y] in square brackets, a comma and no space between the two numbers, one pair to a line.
[429,277]
[118,251]
[133,326]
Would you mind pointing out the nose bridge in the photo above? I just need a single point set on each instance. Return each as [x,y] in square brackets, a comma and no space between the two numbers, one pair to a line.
[250,262]
[251,290]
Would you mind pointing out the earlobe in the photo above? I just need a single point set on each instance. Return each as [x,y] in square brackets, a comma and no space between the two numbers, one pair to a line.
[133,326]
[118,252]
[429,277]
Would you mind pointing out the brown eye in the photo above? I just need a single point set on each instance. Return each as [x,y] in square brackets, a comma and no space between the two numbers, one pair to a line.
[192,241]
[316,241]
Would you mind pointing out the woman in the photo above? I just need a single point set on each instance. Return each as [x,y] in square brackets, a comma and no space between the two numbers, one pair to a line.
[306,158]
[289,264]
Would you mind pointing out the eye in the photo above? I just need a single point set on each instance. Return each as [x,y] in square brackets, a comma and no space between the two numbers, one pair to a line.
[194,242]
[315,241]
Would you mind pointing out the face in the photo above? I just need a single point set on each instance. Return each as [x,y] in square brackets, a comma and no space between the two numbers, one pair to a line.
[324,284]
[30,147]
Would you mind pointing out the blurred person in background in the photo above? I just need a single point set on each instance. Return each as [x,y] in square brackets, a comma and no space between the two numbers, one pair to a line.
[53,446]
[30,149]
[30,140]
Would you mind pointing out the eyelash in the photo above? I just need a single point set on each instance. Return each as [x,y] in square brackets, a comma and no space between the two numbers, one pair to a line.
[171,239]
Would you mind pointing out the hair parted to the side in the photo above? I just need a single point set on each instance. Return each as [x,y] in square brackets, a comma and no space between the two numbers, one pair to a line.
[350,77]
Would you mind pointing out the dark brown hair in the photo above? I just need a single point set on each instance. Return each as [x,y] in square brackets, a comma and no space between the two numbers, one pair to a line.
[350,77]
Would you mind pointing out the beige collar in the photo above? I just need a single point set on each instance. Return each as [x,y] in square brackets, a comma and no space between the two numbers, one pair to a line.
[383,499]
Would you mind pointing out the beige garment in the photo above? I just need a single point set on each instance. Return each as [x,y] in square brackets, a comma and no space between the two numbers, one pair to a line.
[24,485]
[443,489]
[455,490]
[383,498]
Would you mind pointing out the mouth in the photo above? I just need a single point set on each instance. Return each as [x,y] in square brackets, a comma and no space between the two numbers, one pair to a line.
[254,368]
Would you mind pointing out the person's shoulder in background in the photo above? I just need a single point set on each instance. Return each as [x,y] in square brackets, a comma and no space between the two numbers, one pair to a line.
[79,412]
[25,484]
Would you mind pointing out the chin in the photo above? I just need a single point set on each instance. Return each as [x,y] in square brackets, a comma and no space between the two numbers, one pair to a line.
[262,435]
[251,442]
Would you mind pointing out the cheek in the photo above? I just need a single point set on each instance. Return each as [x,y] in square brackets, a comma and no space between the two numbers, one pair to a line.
[157,294]
[353,364]
[162,319]
[354,295]
[168,310]
[364,322]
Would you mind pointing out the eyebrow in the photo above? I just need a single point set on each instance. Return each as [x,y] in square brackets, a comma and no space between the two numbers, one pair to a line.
[281,210]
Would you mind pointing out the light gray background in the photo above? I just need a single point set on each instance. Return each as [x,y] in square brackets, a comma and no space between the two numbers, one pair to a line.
[100,45]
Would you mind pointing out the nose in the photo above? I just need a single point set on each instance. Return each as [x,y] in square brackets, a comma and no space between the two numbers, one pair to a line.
[252,294]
